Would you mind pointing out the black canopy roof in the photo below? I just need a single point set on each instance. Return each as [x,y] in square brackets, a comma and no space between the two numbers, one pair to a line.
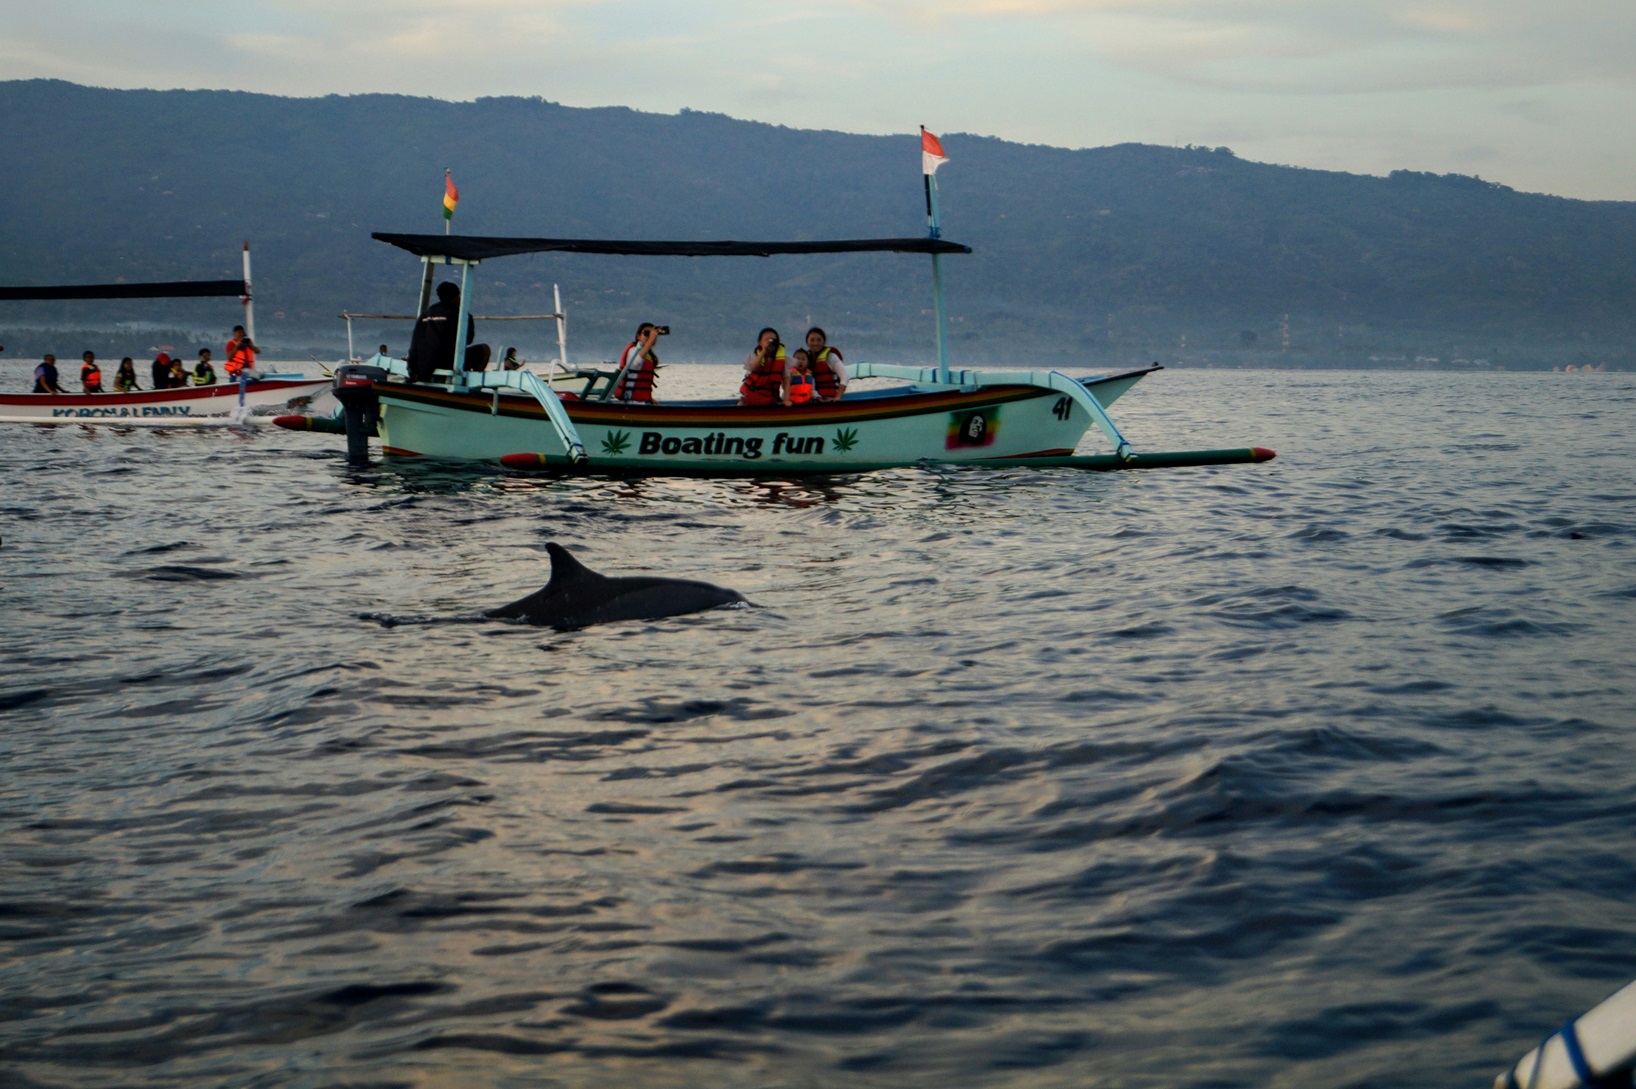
[466,247]
[173,289]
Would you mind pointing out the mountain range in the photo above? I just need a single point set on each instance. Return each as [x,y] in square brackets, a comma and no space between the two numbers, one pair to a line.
[1101,255]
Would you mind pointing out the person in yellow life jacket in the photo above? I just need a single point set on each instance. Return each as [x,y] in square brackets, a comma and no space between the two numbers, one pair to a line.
[799,387]
[178,373]
[125,377]
[90,374]
[764,371]
[203,373]
[828,371]
[639,365]
[241,356]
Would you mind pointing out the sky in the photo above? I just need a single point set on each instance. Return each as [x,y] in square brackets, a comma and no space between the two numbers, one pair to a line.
[1535,95]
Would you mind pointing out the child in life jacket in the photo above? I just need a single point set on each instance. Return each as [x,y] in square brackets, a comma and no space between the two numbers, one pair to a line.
[800,387]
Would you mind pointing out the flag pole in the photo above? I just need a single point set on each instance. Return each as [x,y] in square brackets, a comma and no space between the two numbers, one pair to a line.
[934,229]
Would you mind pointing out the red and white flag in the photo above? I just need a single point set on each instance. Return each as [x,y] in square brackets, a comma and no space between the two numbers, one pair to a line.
[931,152]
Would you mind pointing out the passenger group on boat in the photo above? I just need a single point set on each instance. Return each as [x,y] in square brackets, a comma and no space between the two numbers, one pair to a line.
[168,372]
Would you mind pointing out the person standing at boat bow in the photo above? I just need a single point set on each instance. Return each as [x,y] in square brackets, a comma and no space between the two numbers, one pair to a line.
[241,359]
[764,372]
[639,365]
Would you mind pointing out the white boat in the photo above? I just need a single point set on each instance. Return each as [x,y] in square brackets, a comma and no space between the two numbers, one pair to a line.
[215,403]
[159,405]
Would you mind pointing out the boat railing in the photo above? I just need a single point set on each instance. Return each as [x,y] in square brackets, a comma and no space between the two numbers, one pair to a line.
[1064,384]
[599,381]
[530,383]
[523,381]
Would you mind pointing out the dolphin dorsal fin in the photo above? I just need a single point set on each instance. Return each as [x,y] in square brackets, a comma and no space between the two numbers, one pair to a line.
[565,570]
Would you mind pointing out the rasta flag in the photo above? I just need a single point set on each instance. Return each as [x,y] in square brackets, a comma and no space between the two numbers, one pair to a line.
[451,196]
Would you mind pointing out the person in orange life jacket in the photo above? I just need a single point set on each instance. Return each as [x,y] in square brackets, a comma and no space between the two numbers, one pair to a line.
[91,374]
[45,376]
[241,358]
[764,371]
[828,372]
[431,348]
[799,387]
[639,365]
[203,373]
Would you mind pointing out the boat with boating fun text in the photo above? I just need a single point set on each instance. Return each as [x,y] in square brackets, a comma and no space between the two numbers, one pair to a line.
[1000,417]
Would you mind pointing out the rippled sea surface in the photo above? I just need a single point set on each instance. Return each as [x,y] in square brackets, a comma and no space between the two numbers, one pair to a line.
[1320,772]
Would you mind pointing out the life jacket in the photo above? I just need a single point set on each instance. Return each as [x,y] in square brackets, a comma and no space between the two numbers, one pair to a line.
[828,382]
[762,387]
[239,356]
[637,382]
[801,388]
[91,377]
[204,375]
[123,382]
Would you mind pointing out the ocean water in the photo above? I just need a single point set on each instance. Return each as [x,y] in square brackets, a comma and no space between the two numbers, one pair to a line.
[1316,773]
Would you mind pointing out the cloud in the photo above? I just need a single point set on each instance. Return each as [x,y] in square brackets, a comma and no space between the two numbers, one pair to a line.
[1311,46]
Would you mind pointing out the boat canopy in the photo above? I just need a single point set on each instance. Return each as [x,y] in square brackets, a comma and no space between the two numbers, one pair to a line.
[172,289]
[465,247]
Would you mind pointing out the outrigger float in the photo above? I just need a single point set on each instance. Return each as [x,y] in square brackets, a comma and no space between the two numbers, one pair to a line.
[995,418]
[213,405]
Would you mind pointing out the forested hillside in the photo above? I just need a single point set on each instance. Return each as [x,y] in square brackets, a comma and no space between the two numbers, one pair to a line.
[1112,254]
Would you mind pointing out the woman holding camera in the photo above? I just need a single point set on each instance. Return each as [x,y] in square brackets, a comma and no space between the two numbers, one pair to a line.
[764,372]
[639,366]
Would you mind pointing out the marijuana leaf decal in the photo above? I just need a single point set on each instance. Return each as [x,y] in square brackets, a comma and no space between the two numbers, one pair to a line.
[616,442]
[846,439]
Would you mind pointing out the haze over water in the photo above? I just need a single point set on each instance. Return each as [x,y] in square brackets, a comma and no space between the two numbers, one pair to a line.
[1315,773]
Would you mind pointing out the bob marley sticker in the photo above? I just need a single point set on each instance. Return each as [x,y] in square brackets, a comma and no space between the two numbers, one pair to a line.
[973,428]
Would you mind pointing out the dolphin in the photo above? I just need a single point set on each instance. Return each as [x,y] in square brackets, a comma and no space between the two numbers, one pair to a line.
[577,597]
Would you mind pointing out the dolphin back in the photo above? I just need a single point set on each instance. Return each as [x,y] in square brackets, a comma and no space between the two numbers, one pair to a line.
[577,597]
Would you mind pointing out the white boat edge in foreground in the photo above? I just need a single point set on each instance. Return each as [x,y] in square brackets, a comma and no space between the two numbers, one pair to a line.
[1594,1049]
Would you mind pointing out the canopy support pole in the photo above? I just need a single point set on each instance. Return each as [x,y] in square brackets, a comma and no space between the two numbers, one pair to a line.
[935,230]
[458,363]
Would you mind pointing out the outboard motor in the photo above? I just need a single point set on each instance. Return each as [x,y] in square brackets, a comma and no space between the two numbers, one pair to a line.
[360,405]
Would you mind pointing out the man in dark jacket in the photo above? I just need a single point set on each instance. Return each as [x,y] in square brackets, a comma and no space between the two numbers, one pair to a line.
[45,376]
[432,346]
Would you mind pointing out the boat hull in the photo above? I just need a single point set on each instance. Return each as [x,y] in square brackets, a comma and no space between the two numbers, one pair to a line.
[872,431]
[193,401]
